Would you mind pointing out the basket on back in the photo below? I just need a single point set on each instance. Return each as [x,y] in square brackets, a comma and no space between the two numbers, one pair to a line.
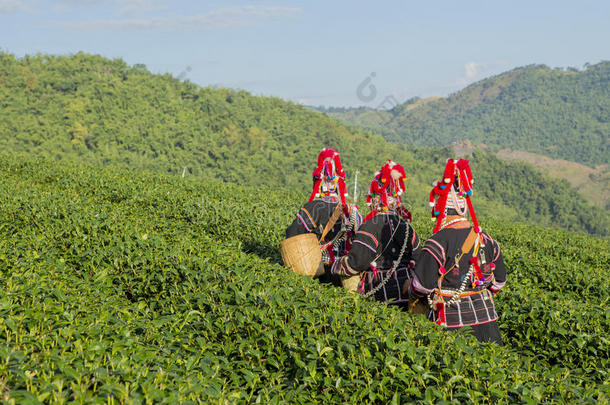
[302,254]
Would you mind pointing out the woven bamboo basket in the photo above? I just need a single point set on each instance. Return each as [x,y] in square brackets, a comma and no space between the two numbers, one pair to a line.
[302,254]
[351,283]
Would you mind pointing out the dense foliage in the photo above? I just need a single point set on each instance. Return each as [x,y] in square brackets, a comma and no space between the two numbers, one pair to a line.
[104,111]
[547,201]
[561,114]
[101,111]
[124,286]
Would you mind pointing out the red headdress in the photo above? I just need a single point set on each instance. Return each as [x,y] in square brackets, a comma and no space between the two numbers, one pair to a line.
[389,182]
[329,176]
[452,191]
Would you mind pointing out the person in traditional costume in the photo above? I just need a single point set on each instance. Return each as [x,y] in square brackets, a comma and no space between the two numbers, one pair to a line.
[385,245]
[328,209]
[460,267]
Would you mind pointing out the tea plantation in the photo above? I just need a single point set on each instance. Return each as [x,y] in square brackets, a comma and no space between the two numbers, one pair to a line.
[134,287]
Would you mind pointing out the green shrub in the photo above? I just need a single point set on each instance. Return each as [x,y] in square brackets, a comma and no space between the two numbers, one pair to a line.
[142,288]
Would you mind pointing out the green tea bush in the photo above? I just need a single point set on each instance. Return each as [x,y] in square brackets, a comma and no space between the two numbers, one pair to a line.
[125,287]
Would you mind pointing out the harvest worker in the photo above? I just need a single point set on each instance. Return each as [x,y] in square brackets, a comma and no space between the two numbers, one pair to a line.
[328,210]
[385,245]
[460,267]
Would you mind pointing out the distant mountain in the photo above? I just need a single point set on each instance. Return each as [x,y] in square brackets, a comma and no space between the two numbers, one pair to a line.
[91,109]
[563,114]
[338,110]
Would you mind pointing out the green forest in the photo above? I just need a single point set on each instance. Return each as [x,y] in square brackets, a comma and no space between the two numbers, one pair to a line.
[561,113]
[91,109]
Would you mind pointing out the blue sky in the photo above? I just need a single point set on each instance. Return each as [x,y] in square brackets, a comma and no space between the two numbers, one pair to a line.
[317,52]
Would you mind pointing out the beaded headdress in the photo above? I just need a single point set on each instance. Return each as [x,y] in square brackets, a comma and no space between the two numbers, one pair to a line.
[329,177]
[452,193]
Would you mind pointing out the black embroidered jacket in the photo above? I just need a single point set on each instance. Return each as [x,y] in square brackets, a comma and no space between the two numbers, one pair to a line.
[375,247]
[439,256]
[313,217]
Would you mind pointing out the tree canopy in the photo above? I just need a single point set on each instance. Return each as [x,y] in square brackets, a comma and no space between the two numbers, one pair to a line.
[100,111]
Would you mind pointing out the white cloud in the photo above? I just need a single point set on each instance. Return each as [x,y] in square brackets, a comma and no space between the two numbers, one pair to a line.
[232,17]
[472,71]
[9,6]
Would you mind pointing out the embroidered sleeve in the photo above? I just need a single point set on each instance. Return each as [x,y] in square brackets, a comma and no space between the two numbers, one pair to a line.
[303,223]
[306,219]
[342,268]
[498,261]
[495,247]
[367,239]
[417,289]
[416,246]
[425,275]
[497,251]
[365,246]
[415,242]
[436,250]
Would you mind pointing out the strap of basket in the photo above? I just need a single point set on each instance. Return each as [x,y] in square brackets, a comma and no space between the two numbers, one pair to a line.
[331,222]
[469,242]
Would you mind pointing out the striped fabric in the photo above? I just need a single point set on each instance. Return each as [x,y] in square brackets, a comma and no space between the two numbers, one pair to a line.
[496,247]
[366,245]
[436,250]
[342,268]
[305,217]
[472,310]
[391,292]
[370,236]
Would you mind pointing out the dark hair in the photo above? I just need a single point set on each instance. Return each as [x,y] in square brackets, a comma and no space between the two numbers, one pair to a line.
[451,211]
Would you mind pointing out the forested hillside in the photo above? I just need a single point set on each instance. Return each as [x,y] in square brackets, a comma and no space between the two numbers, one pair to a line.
[559,113]
[101,111]
[104,111]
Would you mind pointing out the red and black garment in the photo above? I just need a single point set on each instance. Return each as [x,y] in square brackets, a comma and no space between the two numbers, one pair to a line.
[375,247]
[313,217]
[328,191]
[475,307]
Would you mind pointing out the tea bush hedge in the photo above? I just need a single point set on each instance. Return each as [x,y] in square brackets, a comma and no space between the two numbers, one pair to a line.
[133,287]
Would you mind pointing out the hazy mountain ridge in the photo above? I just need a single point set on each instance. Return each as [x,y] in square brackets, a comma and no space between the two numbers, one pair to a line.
[564,114]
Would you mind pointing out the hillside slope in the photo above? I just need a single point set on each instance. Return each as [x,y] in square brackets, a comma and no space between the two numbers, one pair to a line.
[561,114]
[91,109]
[592,184]
[139,287]
[104,111]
